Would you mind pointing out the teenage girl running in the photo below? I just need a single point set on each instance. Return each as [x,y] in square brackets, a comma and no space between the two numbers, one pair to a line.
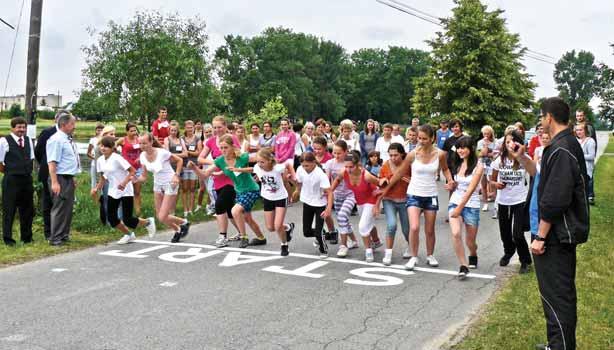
[174,144]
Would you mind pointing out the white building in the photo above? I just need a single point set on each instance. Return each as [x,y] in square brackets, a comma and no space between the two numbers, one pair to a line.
[49,102]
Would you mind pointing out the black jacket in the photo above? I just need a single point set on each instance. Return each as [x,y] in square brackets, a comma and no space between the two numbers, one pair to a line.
[562,189]
[40,152]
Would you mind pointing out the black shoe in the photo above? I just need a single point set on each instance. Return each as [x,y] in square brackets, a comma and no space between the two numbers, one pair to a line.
[57,243]
[243,243]
[334,237]
[473,262]
[284,250]
[323,248]
[463,272]
[542,347]
[505,260]
[28,241]
[258,241]
[289,232]
[10,242]
[176,237]
[184,229]
[524,268]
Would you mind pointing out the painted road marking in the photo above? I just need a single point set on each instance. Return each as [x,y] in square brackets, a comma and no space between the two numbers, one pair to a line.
[168,284]
[242,258]
[58,270]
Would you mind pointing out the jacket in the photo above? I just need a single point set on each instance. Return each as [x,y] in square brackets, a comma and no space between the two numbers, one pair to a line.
[40,152]
[562,190]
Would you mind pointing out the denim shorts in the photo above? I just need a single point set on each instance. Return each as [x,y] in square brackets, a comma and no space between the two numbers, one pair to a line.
[247,199]
[424,203]
[471,216]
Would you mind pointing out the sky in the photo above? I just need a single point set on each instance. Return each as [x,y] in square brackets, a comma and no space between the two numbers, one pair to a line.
[547,26]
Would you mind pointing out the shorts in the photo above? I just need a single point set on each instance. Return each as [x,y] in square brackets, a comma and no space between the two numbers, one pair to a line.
[247,199]
[471,216]
[188,174]
[167,189]
[424,203]
[270,205]
[224,201]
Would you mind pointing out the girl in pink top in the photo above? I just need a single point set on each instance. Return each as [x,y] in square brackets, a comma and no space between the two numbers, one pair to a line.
[284,143]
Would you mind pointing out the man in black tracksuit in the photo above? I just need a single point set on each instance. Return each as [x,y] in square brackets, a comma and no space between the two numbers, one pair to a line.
[563,223]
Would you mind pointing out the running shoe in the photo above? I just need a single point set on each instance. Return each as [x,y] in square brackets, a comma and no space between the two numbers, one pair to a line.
[151,227]
[289,231]
[406,254]
[387,260]
[184,229]
[343,251]
[413,261]
[125,239]
[352,244]
[463,272]
[485,207]
[431,261]
[284,250]
[197,208]
[244,243]
[369,255]
[473,262]
[234,237]
[221,241]
[494,213]
[176,237]
[258,241]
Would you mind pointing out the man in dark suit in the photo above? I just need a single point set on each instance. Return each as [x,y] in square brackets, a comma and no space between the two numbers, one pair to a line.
[43,173]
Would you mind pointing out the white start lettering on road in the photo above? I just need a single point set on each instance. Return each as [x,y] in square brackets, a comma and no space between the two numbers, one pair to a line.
[370,274]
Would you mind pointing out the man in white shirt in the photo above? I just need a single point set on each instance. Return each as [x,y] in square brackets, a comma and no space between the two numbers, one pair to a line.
[396,134]
[385,140]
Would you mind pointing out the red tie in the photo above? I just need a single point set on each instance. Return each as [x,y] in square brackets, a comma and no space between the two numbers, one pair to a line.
[21,142]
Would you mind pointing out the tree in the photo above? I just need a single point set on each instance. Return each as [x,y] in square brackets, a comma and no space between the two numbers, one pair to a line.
[272,111]
[476,74]
[15,111]
[577,79]
[606,94]
[93,106]
[153,60]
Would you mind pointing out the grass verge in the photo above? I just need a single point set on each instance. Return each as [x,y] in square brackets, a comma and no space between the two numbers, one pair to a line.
[514,318]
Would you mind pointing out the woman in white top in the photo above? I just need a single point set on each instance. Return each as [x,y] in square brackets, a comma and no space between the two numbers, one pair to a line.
[243,141]
[464,206]
[486,148]
[425,162]
[589,148]
[253,141]
[307,136]
[157,160]
[509,177]
[93,153]
[346,135]
[118,173]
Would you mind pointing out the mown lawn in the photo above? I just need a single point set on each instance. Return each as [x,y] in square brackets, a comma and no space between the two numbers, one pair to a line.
[514,318]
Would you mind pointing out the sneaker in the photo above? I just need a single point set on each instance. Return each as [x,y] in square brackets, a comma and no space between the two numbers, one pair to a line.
[463,272]
[244,243]
[197,208]
[485,207]
[289,231]
[375,245]
[413,261]
[343,251]
[221,241]
[431,261]
[542,347]
[176,237]
[334,237]
[284,250]
[151,227]
[524,268]
[185,214]
[473,262]
[494,213]
[184,229]
[505,260]
[234,237]
[323,248]
[369,255]
[387,260]
[352,244]
[125,239]
[406,254]
[210,211]
[258,241]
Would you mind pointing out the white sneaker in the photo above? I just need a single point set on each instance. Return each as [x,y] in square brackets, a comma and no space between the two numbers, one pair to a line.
[387,260]
[151,227]
[413,261]
[125,239]
[369,255]
[431,261]
[485,207]
[352,244]
[197,208]
[185,214]
[221,241]
[406,254]
[494,213]
[343,251]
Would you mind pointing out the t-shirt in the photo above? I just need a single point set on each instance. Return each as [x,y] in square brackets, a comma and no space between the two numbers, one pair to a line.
[352,143]
[442,136]
[160,129]
[462,185]
[333,169]
[325,158]
[94,143]
[382,146]
[243,181]
[219,181]
[115,170]
[272,183]
[399,191]
[313,186]
[485,160]
[449,146]
[515,191]
[160,167]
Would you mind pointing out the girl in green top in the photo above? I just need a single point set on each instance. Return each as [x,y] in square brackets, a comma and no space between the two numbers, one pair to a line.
[236,166]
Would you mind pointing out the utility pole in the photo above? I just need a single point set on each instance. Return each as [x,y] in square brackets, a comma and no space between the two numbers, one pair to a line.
[32,70]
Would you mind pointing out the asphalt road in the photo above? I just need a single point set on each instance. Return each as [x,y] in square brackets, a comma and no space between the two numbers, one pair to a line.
[156,295]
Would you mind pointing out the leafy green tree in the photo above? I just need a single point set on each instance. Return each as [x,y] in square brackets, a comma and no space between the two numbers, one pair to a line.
[153,60]
[577,79]
[15,111]
[476,74]
[92,106]
[606,94]
[272,111]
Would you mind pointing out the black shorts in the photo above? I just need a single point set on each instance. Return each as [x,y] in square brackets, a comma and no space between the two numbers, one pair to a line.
[225,200]
[271,205]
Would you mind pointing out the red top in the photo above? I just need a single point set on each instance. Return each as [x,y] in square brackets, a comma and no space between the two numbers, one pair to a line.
[131,152]
[325,158]
[159,129]
[533,144]
[363,192]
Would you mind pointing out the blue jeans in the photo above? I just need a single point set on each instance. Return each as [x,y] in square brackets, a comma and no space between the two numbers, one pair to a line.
[391,209]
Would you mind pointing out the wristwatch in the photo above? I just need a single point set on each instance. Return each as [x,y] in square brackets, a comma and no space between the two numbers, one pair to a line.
[540,238]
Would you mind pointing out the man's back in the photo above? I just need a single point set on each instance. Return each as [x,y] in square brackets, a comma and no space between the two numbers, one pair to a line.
[40,152]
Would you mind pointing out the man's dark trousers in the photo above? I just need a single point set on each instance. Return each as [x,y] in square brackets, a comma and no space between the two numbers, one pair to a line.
[17,193]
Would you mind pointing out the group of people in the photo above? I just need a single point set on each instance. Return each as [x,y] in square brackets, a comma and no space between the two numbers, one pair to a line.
[364,171]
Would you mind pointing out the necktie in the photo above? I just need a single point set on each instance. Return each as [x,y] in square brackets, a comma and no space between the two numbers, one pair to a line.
[21,142]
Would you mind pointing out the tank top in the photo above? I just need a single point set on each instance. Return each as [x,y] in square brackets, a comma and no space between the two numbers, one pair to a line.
[131,152]
[462,184]
[191,146]
[363,191]
[174,148]
[423,182]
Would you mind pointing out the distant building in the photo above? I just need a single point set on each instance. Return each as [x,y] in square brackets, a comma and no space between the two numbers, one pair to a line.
[49,102]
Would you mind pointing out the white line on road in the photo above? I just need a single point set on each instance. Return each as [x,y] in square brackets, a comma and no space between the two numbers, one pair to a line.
[315,257]
[168,284]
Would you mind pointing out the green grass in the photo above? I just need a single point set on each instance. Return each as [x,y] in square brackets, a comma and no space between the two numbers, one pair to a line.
[514,318]
[610,147]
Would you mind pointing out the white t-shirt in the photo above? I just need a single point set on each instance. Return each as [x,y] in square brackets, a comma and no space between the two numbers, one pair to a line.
[272,182]
[352,144]
[313,186]
[382,145]
[462,185]
[539,151]
[515,191]
[115,170]
[160,167]
[333,169]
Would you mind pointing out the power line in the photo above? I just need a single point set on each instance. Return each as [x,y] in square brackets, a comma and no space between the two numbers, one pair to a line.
[415,9]
[8,74]
[5,22]
[396,7]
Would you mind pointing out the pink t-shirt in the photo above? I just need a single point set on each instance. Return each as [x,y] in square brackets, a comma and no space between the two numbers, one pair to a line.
[219,181]
[284,146]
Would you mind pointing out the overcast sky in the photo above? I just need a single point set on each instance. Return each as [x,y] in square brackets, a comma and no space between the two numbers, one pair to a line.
[551,27]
